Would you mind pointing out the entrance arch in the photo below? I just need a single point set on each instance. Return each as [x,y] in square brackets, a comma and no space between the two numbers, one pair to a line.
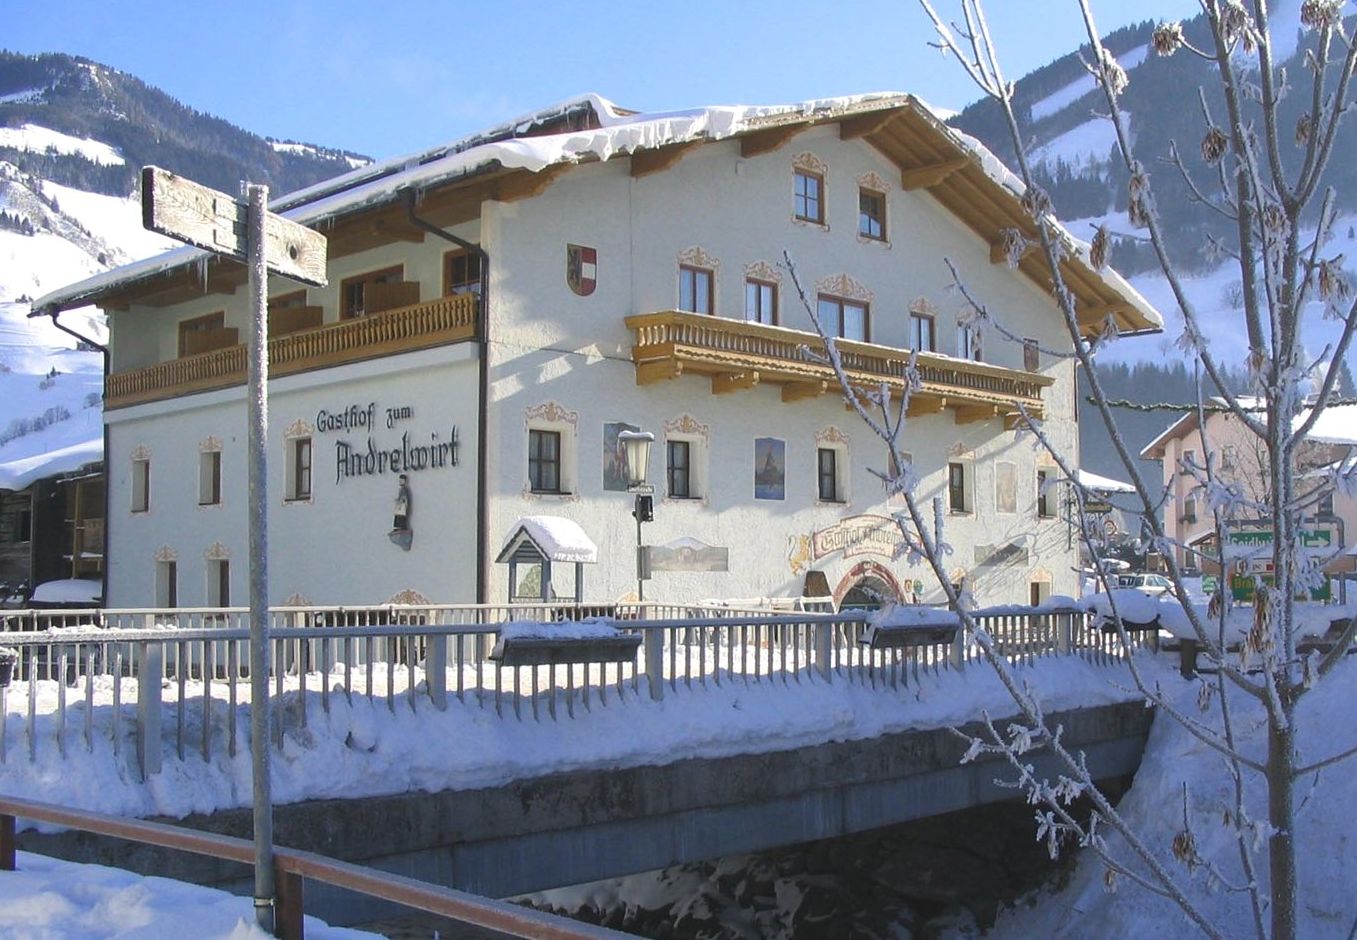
[867,585]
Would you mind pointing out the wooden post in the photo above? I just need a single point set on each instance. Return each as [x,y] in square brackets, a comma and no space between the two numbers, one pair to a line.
[289,923]
[7,846]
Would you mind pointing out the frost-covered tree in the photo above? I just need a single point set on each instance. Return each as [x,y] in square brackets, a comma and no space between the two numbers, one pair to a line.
[1270,184]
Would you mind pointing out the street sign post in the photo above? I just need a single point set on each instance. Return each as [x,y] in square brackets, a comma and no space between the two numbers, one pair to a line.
[267,243]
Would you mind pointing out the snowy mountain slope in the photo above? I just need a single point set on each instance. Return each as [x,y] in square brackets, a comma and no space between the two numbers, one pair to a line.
[73,135]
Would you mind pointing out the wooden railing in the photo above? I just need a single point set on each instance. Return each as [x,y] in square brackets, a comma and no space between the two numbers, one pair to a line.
[673,342]
[292,866]
[434,323]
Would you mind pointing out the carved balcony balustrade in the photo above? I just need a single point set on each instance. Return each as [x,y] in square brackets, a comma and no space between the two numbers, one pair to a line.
[735,354]
[405,329]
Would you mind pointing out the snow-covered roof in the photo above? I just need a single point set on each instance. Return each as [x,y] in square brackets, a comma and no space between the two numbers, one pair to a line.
[24,472]
[616,131]
[1337,424]
[558,539]
[1100,484]
[68,591]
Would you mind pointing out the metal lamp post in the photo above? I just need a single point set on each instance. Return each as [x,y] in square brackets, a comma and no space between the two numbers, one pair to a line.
[637,447]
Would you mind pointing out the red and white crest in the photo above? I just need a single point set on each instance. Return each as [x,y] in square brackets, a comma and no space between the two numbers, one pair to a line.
[581,269]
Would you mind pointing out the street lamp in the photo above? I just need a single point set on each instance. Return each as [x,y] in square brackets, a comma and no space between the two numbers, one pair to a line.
[637,447]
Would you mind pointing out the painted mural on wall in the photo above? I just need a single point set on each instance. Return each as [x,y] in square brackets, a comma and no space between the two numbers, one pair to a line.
[770,468]
[615,456]
[688,554]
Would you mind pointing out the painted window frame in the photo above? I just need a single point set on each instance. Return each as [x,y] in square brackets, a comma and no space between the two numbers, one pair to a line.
[208,321]
[960,489]
[347,311]
[839,306]
[209,477]
[919,323]
[299,487]
[140,485]
[465,282]
[690,277]
[869,215]
[538,464]
[808,196]
[760,301]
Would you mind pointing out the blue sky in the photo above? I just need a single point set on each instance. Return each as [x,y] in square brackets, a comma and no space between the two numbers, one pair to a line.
[399,76]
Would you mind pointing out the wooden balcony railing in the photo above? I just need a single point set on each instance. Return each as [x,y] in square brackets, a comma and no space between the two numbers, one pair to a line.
[419,326]
[736,354]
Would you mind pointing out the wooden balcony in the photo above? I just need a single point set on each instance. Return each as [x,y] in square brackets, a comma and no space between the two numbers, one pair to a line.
[419,326]
[734,354]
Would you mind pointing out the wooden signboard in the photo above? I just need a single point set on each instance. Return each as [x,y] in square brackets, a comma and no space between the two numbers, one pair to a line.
[211,220]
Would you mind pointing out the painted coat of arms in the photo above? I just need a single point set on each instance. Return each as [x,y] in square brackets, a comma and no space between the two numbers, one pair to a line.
[581,269]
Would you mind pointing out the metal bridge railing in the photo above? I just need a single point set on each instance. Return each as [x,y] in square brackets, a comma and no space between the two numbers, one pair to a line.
[78,675]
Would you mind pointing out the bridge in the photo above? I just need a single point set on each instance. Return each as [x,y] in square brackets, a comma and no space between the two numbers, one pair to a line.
[544,827]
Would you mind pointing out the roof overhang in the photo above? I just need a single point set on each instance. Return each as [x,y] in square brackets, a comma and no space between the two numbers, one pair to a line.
[371,206]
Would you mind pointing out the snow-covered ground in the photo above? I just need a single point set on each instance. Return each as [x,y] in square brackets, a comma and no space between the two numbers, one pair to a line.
[48,899]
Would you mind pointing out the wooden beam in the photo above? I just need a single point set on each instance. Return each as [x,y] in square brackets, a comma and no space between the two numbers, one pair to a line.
[798,391]
[645,162]
[920,405]
[864,124]
[751,145]
[969,414]
[728,382]
[525,184]
[658,370]
[924,177]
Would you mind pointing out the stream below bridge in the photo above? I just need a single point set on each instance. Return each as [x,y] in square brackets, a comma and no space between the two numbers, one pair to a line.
[905,882]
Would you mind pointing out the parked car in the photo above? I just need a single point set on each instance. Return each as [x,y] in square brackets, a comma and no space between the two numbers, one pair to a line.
[1151,585]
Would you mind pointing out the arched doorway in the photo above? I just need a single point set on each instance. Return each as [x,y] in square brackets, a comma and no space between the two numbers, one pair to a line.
[866,587]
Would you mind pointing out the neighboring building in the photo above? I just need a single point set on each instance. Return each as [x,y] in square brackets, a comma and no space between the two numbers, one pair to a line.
[499,309]
[1241,461]
[51,528]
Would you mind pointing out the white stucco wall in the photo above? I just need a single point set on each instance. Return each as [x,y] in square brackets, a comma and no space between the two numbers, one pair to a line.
[333,548]
[551,346]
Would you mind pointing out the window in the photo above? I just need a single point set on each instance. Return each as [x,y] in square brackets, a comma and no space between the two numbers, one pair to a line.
[1031,355]
[355,293]
[871,214]
[461,273]
[1005,486]
[923,332]
[219,583]
[958,489]
[298,469]
[760,302]
[1045,495]
[829,484]
[968,342]
[167,584]
[193,333]
[544,461]
[808,203]
[1189,461]
[1325,505]
[141,484]
[680,469]
[1190,510]
[846,319]
[288,301]
[695,289]
[209,478]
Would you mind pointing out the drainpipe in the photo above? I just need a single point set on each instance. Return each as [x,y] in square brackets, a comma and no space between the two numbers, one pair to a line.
[483,340]
[54,313]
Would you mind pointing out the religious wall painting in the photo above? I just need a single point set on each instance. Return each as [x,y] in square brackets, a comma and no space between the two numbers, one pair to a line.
[615,456]
[770,468]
